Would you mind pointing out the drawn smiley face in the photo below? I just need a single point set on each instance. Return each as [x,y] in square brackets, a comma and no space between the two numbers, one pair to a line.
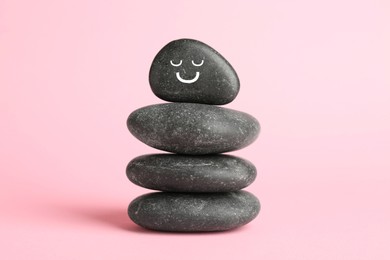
[187,70]
[187,81]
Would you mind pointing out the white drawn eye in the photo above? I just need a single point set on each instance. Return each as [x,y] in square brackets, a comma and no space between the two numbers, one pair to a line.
[176,65]
[197,64]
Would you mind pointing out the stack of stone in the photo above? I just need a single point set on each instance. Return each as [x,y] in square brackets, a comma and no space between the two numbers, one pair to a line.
[201,188]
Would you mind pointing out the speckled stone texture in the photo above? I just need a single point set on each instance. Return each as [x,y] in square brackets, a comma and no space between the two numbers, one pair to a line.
[200,187]
[190,71]
[194,212]
[191,173]
[189,128]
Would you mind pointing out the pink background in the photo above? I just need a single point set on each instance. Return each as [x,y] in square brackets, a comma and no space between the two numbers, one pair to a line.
[315,74]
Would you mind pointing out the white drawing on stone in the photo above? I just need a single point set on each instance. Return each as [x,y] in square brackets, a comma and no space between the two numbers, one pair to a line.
[187,81]
[176,64]
[196,64]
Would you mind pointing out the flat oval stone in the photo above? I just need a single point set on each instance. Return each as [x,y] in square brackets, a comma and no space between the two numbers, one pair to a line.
[194,212]
[190,71]
[191,173]
[189,128]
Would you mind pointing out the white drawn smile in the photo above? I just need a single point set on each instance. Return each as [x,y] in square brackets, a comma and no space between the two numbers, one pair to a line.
[187,81]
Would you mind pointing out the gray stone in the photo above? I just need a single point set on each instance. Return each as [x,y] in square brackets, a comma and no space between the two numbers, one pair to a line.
[194,212]
[187,70]
[189,128]
[191,173]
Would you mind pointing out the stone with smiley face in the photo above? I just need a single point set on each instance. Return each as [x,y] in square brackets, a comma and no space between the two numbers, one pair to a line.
[190,71]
